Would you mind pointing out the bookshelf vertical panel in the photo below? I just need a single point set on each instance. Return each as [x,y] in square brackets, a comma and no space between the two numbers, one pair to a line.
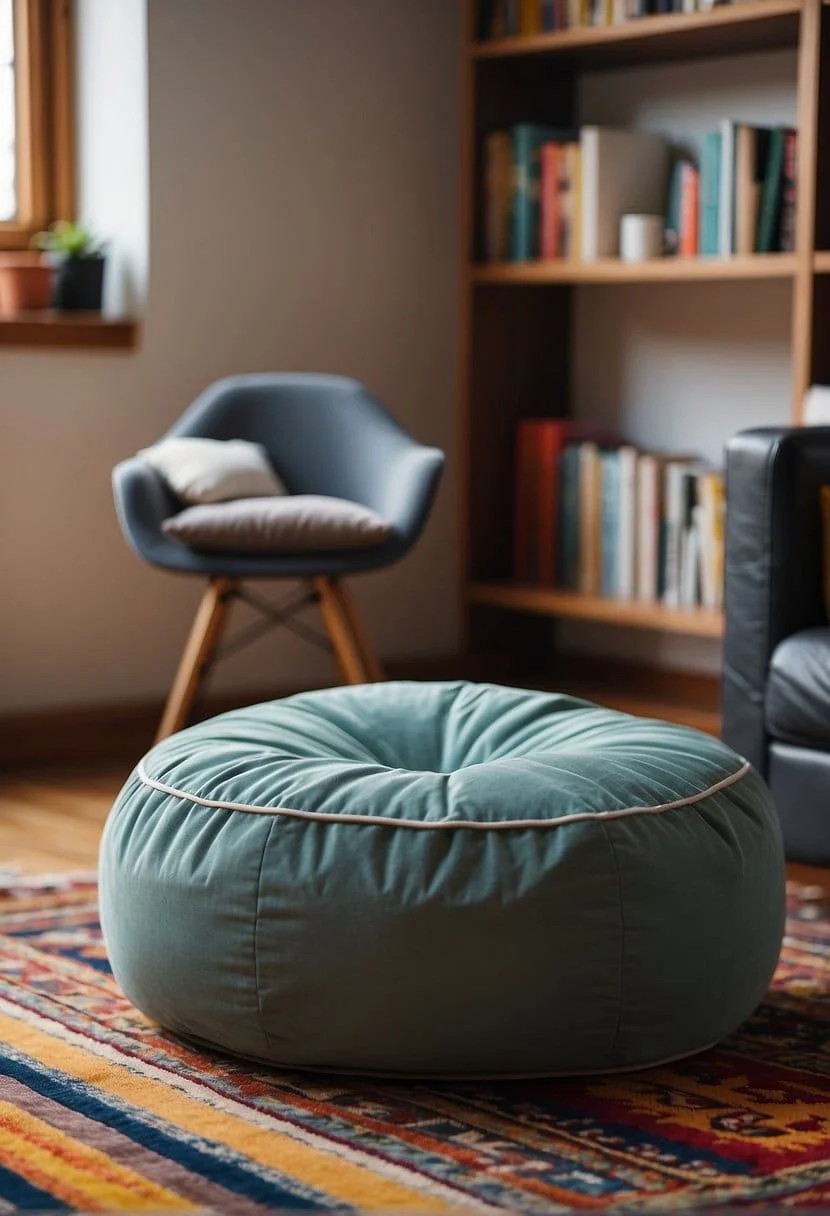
[809,89]
[822,210]
[520,370]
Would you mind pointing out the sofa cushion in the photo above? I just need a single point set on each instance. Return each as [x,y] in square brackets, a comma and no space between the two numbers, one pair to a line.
[798,689]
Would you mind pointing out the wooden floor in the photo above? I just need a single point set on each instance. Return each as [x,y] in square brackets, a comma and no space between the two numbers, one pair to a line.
[51,821]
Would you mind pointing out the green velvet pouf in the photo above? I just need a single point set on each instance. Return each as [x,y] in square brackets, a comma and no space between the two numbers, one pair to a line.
[443,879]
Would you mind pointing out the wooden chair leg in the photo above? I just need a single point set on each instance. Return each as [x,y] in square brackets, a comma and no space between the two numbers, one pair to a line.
[356,661]
[204,634]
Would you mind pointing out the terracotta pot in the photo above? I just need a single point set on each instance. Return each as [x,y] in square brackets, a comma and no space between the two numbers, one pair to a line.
[25,282]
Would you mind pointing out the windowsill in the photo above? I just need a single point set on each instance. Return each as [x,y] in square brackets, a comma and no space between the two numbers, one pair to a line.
[68,329]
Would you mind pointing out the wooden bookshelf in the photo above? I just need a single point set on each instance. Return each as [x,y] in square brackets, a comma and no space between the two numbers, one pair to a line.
[728,30]
[515,342]
[632,614]
[659,270]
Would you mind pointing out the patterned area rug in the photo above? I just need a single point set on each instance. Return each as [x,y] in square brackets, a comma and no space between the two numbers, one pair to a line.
[100,1111]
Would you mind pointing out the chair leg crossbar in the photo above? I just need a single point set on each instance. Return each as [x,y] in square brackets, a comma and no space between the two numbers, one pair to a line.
[344,637]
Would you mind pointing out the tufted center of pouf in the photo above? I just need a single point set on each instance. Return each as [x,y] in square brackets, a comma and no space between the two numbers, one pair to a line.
[433,752]
[443,879]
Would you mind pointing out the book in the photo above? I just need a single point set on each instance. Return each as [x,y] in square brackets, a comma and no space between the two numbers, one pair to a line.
[788,193]
[627,522]
[689,555]
[610,522]
[498,194]
[748,174]
[649,513]
[539,446]
[526,143]
[711,508]
[672,224]
[573,236]
[618,524]
[590,522]
[726,212]
[486,18]
[689,210]
[550,203]
[510,17]
[565,194]
[567,564]
[675,508]
[767,238]
[710,162]
[621,171]
[530,17]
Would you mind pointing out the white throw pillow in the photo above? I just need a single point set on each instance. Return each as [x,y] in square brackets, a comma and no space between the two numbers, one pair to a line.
[298,523]
[213,470]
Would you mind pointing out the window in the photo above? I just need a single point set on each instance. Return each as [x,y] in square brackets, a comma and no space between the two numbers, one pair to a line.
[35,127]
[8,205]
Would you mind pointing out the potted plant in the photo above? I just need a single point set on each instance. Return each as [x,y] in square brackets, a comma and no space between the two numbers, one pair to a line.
[80,263]
[26,282]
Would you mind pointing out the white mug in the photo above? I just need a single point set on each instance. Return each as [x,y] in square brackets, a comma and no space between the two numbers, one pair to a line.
[641,237]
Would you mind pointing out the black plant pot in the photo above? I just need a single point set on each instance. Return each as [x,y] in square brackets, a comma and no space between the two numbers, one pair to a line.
[79,284]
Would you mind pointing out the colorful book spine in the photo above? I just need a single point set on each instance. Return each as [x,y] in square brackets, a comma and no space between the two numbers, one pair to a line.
[689,583]
[567,567]
[572,243]
[788,196]
[627,522]
[726,200]
[590,508]
[511,17]
[711,510]
[530,17]
[746,188]
[672,224]
[609,525]
[710,194]
[674,521]
[769,215]
[498,194]
[524,211]
[550,208]
[689,210]
[649,511]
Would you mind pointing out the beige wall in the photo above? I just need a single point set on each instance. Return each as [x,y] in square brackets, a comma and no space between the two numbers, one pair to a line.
[303,166]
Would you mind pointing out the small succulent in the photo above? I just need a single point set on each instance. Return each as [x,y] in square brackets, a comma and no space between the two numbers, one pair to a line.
[69,240]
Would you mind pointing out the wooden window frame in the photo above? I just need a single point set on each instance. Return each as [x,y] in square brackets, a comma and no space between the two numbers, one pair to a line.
[44,137]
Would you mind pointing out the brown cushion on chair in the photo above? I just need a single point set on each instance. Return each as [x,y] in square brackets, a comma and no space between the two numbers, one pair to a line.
[298,523]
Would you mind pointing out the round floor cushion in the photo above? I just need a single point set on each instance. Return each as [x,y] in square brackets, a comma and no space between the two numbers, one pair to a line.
[443,879]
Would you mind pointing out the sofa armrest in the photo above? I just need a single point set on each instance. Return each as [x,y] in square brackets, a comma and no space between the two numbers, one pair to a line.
[773,565]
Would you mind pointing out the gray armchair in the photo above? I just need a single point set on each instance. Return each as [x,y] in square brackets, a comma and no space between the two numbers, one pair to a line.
[325,435]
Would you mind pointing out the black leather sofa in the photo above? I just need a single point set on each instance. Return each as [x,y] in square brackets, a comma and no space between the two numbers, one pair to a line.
[776,687]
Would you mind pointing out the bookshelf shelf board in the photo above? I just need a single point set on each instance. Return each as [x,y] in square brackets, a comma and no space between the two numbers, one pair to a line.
[821,259]
[660,270]
[547,601]
[755,25]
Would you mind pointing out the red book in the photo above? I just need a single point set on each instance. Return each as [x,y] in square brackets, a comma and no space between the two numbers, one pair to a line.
[550,215]
[539,445]
[689,211]
[788,193]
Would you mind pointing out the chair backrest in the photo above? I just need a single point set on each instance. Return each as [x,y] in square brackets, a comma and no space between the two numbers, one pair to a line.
[323,434]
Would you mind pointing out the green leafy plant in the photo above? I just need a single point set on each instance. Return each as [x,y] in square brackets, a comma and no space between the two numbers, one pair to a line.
[69,240]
